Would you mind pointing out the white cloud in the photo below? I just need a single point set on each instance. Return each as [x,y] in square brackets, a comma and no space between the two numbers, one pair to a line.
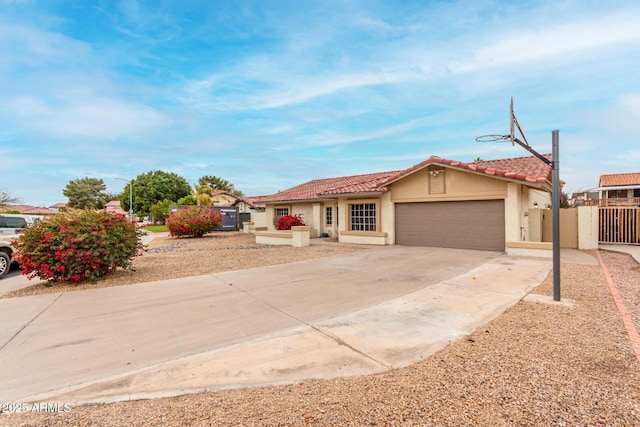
[560,39]
[283,90]
[261,81]
[332,139]
[25,45]
[97,117]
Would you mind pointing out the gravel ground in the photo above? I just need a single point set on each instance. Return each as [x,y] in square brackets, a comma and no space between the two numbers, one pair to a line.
[628,282]
[172,258]
[535,365]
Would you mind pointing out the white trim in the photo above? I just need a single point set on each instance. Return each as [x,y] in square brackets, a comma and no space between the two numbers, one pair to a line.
[617,187]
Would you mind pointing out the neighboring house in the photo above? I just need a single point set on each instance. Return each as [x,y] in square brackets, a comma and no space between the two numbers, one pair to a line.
[437,202]
[584,198]
[30,210]
[58,207]
[114,206]
[620,189]
[222,198]
[252,209]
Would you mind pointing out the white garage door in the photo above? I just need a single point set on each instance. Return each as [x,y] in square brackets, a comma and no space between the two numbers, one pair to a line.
[462,225]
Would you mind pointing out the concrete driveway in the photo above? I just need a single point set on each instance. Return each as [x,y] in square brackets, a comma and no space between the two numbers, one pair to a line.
[352,314]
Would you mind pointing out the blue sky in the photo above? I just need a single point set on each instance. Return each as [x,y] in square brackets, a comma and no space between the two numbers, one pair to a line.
[269,94]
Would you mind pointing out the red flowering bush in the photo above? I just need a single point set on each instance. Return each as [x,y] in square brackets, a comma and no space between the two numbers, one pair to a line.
[77,246]
[287,221]
[195,221]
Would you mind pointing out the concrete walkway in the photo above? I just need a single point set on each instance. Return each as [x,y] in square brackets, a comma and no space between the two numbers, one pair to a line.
[352,314]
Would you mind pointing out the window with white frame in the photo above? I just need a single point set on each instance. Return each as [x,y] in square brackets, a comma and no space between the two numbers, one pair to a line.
[329,215]
[363,216]
[282,212]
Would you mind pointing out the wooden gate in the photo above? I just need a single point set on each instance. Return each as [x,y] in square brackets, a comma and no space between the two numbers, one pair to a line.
[619,225]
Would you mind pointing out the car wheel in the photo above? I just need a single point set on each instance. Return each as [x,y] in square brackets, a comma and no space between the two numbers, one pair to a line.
[5,264]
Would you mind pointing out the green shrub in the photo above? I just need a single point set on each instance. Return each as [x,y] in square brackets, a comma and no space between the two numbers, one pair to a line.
[288,221]
[186,200]
[195,221]
[161,210]
[77,246]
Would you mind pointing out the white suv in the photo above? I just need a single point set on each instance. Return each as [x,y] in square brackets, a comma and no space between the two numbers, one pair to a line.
[10,227]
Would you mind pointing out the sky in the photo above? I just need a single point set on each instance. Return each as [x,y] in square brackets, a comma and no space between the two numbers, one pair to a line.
[270,94]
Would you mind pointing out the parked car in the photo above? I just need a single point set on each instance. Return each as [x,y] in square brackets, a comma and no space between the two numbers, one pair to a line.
[11,225]
[6,253]
[14,223]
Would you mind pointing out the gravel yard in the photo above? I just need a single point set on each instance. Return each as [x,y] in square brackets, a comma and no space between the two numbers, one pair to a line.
[535,365]
[172,258]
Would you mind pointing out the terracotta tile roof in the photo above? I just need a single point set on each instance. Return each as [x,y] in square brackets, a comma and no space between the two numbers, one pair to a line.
[312,190]
[113,203]
[619,179]
[253,201]
[527,169]
[29,210]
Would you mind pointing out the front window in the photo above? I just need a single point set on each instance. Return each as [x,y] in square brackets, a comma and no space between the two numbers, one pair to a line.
[363,217]
[617,194]
[329,215]
[282,212]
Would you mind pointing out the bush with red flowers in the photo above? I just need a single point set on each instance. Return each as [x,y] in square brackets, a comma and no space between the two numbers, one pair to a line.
[77,246]
[195,221]
[287,221]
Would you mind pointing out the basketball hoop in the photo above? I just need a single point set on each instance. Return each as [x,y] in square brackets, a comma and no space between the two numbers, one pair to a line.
[493,138]
[513,125]
[555,180]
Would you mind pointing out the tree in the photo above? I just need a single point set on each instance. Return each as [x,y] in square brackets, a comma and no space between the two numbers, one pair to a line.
[86,193]
[218,184]
[186,200]
[215,183]
[7,199]
[161,210]
[153,187]
[202,194]
[564,197]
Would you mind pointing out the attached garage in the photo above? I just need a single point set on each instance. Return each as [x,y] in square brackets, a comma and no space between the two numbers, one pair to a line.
[461,224]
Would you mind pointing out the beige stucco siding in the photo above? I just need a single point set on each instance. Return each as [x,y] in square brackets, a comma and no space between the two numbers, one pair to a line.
[306,210]
[457,186]
[385,219]
[309,211]
[388,218]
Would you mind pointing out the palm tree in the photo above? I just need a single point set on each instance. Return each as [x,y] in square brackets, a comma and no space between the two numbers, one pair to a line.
[203,194]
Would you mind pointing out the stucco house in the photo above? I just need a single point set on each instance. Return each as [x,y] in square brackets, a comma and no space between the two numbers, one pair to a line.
[222,198]
[252,209]
[113,206]
[619,189]
[437,202]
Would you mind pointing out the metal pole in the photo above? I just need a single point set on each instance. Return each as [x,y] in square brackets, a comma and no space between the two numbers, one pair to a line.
[555,200]
[131,201]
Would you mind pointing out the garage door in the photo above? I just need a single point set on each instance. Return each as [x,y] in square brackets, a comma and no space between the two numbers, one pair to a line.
[462,225]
